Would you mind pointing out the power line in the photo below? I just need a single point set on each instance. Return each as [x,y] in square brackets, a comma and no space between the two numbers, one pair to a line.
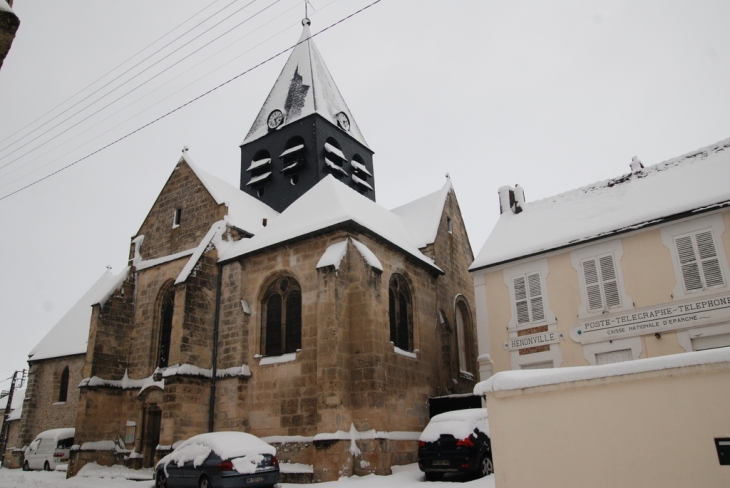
[124,83]
[162,100]
[190,101]
[111,71]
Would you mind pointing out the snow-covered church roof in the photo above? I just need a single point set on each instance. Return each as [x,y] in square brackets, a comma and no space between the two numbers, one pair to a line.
[244,211]
[327,204]
[686,184]
[70,335]
[303,88]
[422,216]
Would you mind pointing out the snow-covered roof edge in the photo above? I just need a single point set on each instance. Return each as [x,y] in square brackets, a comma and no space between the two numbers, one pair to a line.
[70,334]
[423,215]
[4,7]
[521,379]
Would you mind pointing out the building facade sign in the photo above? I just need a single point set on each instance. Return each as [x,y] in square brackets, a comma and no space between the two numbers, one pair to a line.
[533,340]
[650,320]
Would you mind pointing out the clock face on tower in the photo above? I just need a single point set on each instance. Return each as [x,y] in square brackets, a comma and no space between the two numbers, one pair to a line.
[275,119]
[343,121]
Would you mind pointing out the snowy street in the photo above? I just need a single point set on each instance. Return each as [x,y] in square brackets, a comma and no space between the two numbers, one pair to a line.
[403,476]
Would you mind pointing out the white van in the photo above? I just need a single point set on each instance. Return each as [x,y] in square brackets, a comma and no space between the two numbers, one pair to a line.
[49,449]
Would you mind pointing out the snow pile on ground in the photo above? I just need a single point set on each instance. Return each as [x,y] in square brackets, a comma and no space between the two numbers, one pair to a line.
[403,477]
[460,424]
[93,470]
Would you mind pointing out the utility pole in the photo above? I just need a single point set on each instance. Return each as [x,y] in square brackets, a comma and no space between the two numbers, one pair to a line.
[6,414]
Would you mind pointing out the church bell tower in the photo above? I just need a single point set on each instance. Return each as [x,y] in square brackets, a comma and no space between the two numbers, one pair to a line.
[303,133]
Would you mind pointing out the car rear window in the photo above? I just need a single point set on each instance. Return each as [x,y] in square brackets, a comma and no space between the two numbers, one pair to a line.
[65,443]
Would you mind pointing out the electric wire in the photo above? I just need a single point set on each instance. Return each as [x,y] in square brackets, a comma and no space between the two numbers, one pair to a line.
[269,59]
[110,71]
[153,91]
[127,81]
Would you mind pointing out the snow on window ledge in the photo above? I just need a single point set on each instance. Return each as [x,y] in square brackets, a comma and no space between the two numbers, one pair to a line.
[58,403]
[284,358]
[408,354]
[467,375]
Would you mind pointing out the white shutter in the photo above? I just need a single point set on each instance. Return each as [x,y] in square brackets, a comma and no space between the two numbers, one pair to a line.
[593,286]
[523,313]
[535,290]
[528,299]
[711,271]
[698,261]
[609,280]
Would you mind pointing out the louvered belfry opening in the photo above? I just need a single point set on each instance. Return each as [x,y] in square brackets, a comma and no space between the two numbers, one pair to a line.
[281,331]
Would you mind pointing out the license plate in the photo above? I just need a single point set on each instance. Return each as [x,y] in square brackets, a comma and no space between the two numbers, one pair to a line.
[255,479]
[439,462]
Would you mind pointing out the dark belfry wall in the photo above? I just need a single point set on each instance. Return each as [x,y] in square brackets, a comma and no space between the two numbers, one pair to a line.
[278,190]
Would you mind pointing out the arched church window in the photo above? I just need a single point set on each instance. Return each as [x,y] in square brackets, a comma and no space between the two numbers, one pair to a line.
[281,331]
[166,311]
[464,337]
[360,174]
[400,313]
[63,388]
[293,155]
[334,158]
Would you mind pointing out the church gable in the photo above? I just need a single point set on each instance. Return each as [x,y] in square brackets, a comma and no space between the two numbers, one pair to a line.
[180,217]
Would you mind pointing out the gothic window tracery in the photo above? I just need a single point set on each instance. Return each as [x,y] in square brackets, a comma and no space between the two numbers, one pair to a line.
[281,331]
[400,313]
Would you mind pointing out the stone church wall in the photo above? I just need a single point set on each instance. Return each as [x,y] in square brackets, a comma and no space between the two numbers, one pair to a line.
[183,190]
[41,409]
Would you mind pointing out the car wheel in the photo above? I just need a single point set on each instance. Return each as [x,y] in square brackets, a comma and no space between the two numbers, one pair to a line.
[25,466]
[46,467]
[434,476]
[204,482]
[486,467]
[161,480]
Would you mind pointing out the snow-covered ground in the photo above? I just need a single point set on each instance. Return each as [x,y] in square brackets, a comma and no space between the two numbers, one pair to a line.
[403,476]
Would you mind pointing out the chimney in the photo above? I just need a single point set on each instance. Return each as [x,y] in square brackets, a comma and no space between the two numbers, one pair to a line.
[636,165]
[506,198]
[519,199]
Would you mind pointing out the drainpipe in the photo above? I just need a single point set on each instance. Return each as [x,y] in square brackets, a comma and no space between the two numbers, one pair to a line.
[214,369]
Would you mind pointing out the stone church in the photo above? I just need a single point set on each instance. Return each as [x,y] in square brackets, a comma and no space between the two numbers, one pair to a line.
[293,307]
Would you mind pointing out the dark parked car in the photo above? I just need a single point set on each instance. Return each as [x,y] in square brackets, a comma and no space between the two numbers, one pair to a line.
[456,442]
[219,459]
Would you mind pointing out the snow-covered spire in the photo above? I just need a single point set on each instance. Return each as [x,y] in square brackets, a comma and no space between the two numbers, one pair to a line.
[304,87]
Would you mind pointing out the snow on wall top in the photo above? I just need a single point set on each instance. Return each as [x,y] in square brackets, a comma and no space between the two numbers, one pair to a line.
[422,216]
[529,378]
[303,88]
[329,203]
[71,333]
[244,211]
[692,181]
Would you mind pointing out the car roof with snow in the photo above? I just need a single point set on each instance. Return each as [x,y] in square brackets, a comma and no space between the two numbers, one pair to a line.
[459,423]
[57,434]
[227,445]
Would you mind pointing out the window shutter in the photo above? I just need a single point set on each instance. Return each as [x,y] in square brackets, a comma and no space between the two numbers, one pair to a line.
[610,283]
[533,281]
[523,312]
[710,262]
[593,286]
[699,262]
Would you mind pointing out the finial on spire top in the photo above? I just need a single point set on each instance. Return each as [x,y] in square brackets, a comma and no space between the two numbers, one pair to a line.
[447,176]
[306,21]
[185,149]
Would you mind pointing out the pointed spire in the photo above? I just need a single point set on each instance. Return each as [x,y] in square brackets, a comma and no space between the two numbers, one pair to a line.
[303,88]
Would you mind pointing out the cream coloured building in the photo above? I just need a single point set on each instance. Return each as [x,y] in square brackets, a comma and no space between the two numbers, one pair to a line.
[627,268]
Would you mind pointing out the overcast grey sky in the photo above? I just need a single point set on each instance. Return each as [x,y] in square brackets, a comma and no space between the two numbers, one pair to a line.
[550,95]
